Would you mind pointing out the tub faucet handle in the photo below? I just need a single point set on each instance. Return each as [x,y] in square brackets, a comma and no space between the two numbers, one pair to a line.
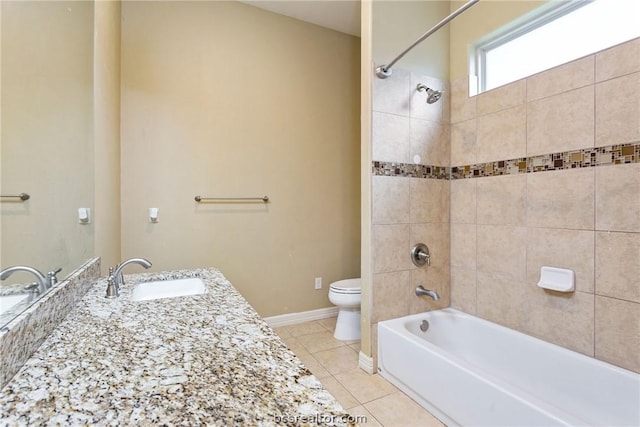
[420,255]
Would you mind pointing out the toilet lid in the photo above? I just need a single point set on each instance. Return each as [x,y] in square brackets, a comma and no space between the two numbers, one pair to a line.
[347,286]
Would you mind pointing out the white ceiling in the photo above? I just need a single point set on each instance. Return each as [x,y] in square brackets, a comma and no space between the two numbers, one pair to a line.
[338,15]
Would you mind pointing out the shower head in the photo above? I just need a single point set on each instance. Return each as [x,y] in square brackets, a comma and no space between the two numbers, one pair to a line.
[433,95]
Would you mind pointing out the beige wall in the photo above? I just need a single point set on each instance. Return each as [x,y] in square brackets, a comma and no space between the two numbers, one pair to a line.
[107,130]
[481,19]
[504,228]
[222,99]
[399,23]
[47,146]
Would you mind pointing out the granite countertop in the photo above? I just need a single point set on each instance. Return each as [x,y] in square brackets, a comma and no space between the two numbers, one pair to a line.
[200,360]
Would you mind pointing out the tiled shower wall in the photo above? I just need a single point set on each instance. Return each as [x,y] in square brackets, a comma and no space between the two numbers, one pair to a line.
[410,196]
[523,193]
[552,206]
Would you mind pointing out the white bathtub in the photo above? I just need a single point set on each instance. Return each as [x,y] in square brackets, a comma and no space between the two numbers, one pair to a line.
[470,372]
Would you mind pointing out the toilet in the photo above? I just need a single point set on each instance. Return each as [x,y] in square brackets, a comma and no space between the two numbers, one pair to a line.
[346,295]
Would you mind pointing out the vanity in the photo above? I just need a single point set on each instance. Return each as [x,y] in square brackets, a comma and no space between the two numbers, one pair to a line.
[206,359]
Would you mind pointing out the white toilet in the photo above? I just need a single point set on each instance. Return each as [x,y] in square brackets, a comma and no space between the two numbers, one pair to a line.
[346,295]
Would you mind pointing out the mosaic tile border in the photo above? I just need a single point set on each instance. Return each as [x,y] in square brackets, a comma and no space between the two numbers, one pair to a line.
[411,170]
[585,158]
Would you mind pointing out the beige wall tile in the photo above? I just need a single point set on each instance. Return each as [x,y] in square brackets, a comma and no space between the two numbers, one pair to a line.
[391,245]
[618,332]
[552,247]
[501,251]
[429,279]
[569,205]
[618,110]
[502,300]
[390,199]
[565,319]
[436,237]
[502,135]
[420,109]
[463,143]
[435,276]
[618,265]
[446,105]
[463,290]
[618,60]
[561,122]
[462,106]
[390,298]
[463,246]
[390,138]
[463,201]
[429,200]
[618,198]
[393,95]
[502,200]
[566,77]
[430,141]
[501,98]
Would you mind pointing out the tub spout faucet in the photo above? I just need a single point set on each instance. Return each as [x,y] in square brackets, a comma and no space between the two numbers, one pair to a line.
[43,283]
[117,275]
[421,291]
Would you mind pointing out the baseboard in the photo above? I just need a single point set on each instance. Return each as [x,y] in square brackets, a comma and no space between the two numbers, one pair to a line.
[305,316]
[365,363]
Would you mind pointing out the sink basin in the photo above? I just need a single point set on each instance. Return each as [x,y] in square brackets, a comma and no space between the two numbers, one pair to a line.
[7,302]
[168,289]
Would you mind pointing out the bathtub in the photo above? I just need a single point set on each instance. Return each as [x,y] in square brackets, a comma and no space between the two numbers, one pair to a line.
[470,372]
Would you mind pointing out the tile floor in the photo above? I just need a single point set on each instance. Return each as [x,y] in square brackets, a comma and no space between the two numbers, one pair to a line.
[335,364]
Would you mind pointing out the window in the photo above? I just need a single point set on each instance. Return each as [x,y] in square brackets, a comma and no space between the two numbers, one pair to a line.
[552,35]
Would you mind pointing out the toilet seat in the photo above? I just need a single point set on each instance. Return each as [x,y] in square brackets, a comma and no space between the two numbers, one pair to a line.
[347,286]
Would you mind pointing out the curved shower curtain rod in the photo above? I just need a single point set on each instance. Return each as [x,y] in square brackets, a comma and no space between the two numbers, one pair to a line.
[385,71]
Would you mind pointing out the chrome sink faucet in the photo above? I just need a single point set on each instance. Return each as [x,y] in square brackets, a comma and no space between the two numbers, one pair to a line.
[44,283]
[115,277]
[421,291]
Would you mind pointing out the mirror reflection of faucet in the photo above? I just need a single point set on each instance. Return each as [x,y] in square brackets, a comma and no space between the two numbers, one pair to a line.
[43,283]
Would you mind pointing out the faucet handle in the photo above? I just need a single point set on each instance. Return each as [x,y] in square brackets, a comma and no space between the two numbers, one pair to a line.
[51,276]
[420,255]
[31,287]
[112,289]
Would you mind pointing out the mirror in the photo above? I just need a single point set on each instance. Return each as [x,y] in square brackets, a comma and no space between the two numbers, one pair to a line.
[47,140]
